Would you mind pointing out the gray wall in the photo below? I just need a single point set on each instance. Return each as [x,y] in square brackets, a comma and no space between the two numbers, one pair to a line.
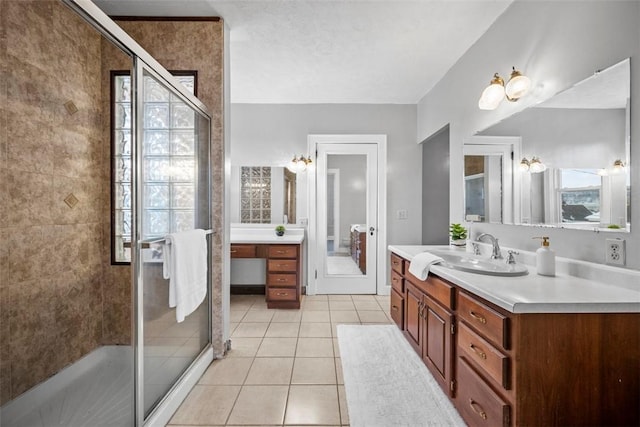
[556,44]
[435,189]
[269,134]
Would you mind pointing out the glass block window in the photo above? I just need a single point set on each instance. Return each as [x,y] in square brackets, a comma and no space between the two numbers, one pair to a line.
[168,158]
[255,194]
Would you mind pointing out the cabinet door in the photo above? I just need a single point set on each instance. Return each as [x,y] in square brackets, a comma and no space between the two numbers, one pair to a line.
[437,343]
[412,317]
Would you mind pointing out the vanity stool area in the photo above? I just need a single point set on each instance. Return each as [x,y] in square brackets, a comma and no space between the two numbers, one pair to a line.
[283,255]
[523,351]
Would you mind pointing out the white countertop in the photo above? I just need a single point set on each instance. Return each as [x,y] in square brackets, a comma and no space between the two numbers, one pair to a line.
[540,294]
[266,236]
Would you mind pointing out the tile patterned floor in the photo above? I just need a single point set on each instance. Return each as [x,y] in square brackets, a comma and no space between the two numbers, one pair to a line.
[284,366]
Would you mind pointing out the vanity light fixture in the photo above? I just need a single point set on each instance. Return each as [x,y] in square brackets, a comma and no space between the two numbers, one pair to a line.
[299,164]
[618,167]
[517,86]
[536,165]
[524,164]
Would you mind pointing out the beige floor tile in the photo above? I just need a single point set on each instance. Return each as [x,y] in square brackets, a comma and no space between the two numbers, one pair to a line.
[315,316]
[315,330]
[316,306]
[228,371]
[197,408]
[341,305]
[344,412]
[334,327]
[363,297]
[339,375]
[314,370]
[233,326]
[283,330]
[336,347]
[315,347]
[286,316]
[350,316]
[277,347]
[258,316]
[339,297]
[371,316]
[365,305]
[236,315]
[259,405]
[307,298]
[313,404]
[270,371]
[250,330]
[259,306]
[244,347]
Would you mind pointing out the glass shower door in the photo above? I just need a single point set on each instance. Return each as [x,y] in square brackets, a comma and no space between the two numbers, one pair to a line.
[173,196]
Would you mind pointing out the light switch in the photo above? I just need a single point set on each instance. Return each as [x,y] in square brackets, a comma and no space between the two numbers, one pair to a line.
[402,214]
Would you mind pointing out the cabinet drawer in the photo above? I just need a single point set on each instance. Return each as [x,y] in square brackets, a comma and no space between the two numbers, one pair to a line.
[283,251]
[274,265]
[436,288]
[274,279]
[397,308]
[483,319]
[397,263]
[244,251]
[478,404]
[281,294]
[485,355]
[396,282]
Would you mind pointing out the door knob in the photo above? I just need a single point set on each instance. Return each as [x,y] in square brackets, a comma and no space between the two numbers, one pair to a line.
[371,230]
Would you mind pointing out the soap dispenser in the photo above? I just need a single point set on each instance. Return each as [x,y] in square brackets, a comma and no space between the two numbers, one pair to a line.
[545,258]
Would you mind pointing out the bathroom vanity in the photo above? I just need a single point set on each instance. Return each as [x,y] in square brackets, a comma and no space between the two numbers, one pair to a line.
[283,255]
[528,350]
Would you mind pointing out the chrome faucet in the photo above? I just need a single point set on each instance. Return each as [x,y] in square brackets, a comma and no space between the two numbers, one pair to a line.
[496,254]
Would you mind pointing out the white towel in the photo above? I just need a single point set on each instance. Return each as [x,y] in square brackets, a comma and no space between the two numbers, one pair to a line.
[421,263]
[185,265]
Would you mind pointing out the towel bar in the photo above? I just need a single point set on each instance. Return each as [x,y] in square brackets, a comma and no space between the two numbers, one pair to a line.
[146,244]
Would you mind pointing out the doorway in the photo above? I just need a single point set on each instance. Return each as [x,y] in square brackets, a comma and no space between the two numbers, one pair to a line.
[346,230]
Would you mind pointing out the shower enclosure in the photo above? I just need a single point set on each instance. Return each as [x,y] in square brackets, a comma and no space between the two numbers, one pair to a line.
[103,153]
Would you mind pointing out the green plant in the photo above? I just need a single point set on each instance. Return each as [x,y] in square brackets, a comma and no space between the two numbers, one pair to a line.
[457,232]
[280,228]
[613,226]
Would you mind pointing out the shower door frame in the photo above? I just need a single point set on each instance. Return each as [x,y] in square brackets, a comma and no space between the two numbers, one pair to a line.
[141,59]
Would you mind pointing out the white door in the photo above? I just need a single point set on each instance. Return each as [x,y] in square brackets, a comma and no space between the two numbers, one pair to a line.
[346,258]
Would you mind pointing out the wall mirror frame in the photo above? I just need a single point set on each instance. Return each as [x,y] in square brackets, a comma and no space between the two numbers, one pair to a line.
[581,135]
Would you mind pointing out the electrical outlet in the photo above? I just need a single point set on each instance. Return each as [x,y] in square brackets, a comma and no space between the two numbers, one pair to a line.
[615,252]
[402,214]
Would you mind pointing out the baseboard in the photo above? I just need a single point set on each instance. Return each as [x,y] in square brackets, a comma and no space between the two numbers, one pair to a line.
[248,290]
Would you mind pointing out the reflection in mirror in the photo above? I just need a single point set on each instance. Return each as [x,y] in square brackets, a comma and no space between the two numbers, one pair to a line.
[582,137]
[480,174]
[346,214]
[262,195]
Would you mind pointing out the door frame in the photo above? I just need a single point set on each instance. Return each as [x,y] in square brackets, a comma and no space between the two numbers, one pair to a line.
[380,140]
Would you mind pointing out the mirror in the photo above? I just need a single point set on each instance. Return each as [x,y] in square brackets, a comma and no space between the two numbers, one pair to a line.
[263,195]
[580,140]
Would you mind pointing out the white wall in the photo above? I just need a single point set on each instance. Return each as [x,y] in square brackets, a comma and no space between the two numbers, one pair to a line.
[556,44]
[270,134]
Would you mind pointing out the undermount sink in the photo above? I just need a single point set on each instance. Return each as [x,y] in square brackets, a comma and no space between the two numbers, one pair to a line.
[475,264]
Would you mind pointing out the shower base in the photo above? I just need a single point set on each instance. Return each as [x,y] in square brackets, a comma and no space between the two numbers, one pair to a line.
[96,391]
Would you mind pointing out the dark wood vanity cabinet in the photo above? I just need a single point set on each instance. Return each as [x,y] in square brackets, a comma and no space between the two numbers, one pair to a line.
[530,369]
[282,288]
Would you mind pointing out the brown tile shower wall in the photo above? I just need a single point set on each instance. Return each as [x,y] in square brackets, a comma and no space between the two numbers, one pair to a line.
[51,266]
[184,44]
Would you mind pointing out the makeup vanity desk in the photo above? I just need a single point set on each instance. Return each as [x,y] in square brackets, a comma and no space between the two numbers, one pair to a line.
[283,256]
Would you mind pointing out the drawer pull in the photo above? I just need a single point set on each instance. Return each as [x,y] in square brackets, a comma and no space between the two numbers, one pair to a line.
[233,251]
[394,307]
[477,409]
[478,317]
[282,294]
[280,252]
[479,352]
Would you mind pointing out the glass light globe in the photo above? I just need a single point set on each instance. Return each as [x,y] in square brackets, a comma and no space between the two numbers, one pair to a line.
[536,166]
[492,95]
[517,86]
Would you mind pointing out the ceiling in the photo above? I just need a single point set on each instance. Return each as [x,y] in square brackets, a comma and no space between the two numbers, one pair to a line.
[335,51]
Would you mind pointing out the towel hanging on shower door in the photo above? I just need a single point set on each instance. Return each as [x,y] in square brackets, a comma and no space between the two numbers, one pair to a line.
[185,265]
